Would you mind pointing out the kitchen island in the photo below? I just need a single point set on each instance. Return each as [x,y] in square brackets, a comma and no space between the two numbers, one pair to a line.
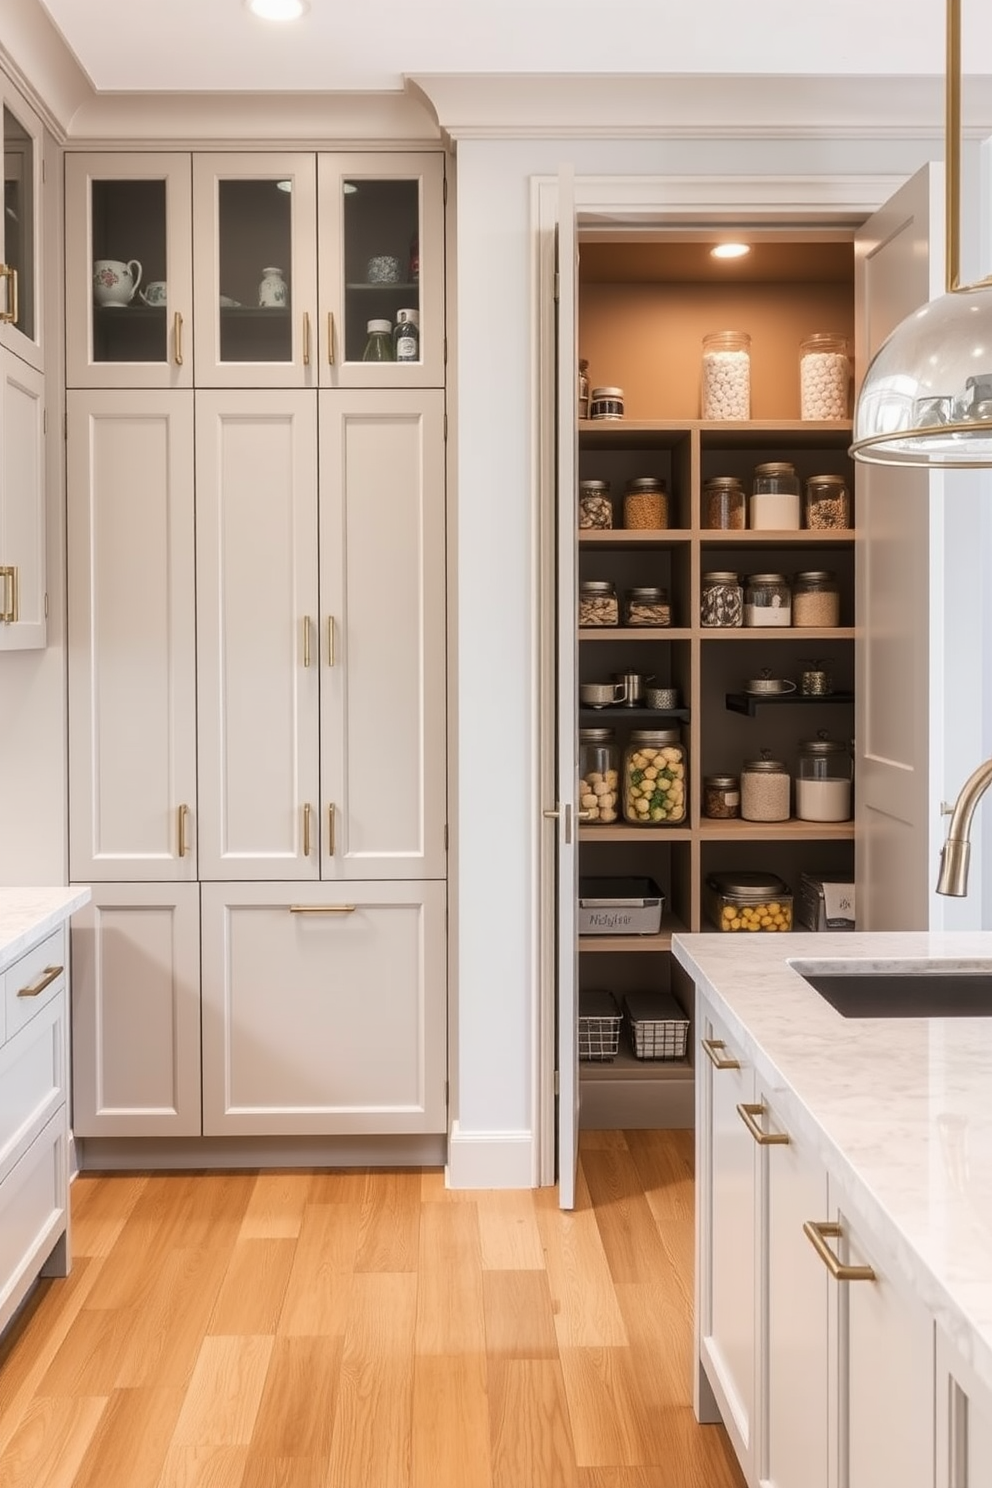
[844,1216]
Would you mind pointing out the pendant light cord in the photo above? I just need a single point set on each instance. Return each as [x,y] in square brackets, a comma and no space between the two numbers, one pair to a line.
[952,147]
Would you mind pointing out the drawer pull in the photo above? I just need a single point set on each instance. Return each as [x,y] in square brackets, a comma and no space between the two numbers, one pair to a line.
[713,1047]
[177,336]
[45,980]
[330,338]
[816,1232]
[748,1114]
[322,908]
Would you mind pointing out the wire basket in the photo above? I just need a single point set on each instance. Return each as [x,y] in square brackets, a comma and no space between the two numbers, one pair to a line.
[657,1026]
[599,1026]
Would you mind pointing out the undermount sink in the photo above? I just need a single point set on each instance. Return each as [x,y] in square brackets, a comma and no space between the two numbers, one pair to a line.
[903,990]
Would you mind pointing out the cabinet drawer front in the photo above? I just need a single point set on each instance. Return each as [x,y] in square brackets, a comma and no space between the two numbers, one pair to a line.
[32,1082]
[32,1213]
[31,984]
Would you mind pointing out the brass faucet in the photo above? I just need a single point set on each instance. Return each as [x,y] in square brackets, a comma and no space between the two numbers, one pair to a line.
[955,855]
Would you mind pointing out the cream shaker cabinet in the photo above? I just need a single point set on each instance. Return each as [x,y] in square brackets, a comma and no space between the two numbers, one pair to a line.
[21,228]
[23,600]
[132,656]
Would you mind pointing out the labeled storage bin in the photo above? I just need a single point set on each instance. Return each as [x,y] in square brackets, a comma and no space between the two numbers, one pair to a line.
[599,1025]
[748,900]
[619,906]
[657,1026]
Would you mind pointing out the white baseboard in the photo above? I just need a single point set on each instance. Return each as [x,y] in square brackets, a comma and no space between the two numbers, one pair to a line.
[491,1159]
[188,1154]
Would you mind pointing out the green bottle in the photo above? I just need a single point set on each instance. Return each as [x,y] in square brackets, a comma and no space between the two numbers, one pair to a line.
[379,346]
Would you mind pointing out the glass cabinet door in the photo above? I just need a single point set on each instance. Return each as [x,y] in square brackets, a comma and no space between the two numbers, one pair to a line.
[129,279]
[382,270]
[20,238]
[256,275]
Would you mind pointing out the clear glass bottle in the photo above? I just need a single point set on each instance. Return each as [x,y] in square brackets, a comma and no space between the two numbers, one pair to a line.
[815,598]
[824,376]
[406,336]
[595,506]
[775,497]
[645,503]
[598,603]
[655,778]
[379,346]
[826,503]
[823,780]
[722,600]
[646,605]
[599,775]
[726,381]
[583,388]
[766,789]
[723,503]
[767,600]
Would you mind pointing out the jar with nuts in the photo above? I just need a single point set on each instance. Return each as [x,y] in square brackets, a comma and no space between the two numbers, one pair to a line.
[654,778]
[645,503]
[595,506]
[598,604]
[599,775]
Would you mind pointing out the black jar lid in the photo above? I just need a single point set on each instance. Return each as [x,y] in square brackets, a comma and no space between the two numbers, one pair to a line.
[748,881]
[644,483]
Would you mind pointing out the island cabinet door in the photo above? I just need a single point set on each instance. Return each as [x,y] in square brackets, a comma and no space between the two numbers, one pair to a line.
[323,1009]
[727,1216]
[963,1420]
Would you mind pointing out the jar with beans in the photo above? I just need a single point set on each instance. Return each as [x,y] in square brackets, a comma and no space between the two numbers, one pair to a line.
[599,775]
[654,778]
[765,790]
[646,606]
[645,503]
[721,797]
[722,600]
[767,600]
[775,497]
[815,598]
[726,392]
[723,503]
[824,376]
[826,503]
[598,603]
[595,506]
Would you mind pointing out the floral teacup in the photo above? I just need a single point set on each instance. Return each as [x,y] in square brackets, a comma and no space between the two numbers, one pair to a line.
[114,282]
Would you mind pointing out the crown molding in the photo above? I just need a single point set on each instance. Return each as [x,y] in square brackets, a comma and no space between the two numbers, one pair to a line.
[37,60]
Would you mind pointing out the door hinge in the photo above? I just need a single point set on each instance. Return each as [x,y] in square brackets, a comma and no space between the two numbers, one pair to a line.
[446,836]
[445,435]
[447,1092]
[557,285]
[445,349]
[444,190]
[44,171]
[46,606]
[557,1087]
[44,421]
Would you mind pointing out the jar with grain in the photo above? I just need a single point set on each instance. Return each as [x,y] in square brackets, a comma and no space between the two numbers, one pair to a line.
[595,506]
[723,503]
[815,598]
[598,604]
[726,382]
[721,797]
[823,780]
[646,606]
[824,376]
[599,775]
[767,600]
[722,600]
[645,503]
[654,778]
[606,403]
[775,497]
[826,503]
[766,789]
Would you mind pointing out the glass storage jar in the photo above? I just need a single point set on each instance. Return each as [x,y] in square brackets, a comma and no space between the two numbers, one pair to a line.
[824,376]
[826,503]
[583,388]
[645,503]
[599,775]
[654,778]
[595,506]
[726,382]
[721,796]
[598,603]
[815,598]
[775,497]
[748,900]
[723,503]
[765,790]
[823,780]
[767,600]
[721,600]
[646,606]
[606,403]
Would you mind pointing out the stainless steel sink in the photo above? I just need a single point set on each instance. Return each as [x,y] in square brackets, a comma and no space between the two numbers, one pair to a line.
[903,992]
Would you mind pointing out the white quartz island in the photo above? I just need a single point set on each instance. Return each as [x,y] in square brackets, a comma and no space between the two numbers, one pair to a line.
[896,1115]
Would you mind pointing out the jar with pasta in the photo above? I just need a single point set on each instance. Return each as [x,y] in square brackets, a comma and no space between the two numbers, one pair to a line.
[595,506]
[598,604]
[654,778]
[645,503]
[646,606]
[721,600]
[599,775]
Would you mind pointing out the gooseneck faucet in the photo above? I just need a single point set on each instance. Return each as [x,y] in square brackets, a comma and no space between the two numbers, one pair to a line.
[955,855]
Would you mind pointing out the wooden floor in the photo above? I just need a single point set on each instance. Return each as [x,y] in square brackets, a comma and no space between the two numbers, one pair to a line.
[368,1329]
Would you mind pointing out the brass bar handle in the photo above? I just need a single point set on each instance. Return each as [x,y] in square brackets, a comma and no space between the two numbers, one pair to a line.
[816,1232]
[15,598]
[177,336]
[330,640]
[551,814]
[330,338]
[748,1113]
[330,830]
[306,338]
[9,581]
[322,908]
[306,829]
[45,980]
[582,815]
[183,815]
[712,1048]
[306,640]
[11,313]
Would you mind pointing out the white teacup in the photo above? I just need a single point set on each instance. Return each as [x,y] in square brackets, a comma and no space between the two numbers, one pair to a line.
[154,293]
[114,282]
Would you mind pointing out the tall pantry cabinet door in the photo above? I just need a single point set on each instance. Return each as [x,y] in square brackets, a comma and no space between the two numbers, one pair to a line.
[382,725]
[258,659]
[131,618]
[136,1012]
[23,624]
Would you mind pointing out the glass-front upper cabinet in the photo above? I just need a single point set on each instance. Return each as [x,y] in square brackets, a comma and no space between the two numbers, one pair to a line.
[129,271]
[256,270]
[381,270]
[20,232]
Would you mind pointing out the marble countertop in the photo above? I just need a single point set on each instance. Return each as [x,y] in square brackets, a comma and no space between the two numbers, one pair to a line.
[899,1110]
[27,915]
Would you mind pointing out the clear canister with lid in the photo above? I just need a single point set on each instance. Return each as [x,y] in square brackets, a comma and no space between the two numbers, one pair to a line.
[721,599]
[823,780]
[645,503]
[598,603]
[595,505]
[599,775]
[655,779]
[723,503]
[726,376]
[815,598]
[721,797]
[826,503]
[766,789]
[767,600]
[606,403]
[824,376]
[646,605]
[748,900]
[775,497]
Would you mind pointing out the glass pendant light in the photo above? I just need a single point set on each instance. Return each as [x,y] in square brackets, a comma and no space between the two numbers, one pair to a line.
[926,398]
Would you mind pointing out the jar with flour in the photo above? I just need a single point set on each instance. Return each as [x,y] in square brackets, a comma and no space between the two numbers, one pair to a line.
[823,780]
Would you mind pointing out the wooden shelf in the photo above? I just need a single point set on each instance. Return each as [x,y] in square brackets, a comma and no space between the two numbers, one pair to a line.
[635,943]
[636,633]
[624,537]
[628,1067]
[748,702]
[746,434]
[777,633]
[625,833]
[792,830]
[616,711]
[724,537]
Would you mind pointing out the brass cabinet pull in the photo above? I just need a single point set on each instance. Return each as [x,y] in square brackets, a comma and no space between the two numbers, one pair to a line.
[330,830]
[330,640]
[45,980]
[712,1047]
[816,1232]
[8,573]
[582,815]
[306,640]
[12,311]
[330,338]
[306,829]
[183,814]
[748,1113]
[306,338]
[322,908]
[177,335]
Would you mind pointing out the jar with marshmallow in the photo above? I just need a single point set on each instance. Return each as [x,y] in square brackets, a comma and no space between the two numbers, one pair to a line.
[726,380]
[824,376]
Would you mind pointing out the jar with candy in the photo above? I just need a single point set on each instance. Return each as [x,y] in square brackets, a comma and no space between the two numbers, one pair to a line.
[599,775]
[824,376]
[726,390]
[654,778]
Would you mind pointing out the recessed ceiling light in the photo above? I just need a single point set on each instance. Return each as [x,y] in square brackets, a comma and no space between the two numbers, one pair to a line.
[730,250]
[277,10]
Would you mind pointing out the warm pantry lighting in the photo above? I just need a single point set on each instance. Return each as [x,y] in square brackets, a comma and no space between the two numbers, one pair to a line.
[277,10]
[927,395]
[730,250]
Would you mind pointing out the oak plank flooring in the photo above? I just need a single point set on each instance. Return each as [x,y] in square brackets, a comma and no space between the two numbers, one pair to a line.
[368,1329]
